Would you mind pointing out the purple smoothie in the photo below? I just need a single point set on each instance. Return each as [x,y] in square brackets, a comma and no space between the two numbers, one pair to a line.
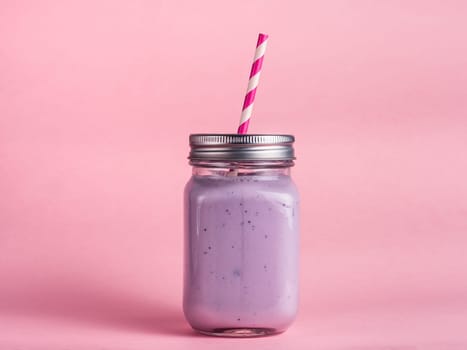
[241,252]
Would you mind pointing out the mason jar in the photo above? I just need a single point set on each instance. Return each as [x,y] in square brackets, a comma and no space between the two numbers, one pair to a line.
[241,244]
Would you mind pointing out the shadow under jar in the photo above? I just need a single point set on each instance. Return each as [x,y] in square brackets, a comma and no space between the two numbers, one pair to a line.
[241,245]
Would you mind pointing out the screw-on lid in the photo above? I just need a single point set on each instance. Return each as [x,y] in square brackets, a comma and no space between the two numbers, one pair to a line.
[241,147]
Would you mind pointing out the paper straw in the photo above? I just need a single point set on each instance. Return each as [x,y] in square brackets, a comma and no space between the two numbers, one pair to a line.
[253,83]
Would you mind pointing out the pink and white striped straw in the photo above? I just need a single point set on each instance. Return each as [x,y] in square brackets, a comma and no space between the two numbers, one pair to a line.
[253,83]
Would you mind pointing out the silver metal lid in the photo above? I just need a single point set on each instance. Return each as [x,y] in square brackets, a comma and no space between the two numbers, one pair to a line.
[241,147]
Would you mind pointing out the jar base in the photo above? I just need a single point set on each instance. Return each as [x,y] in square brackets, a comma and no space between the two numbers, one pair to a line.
[240,332]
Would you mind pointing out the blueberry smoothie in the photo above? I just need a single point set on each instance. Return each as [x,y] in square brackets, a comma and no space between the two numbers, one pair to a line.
[241,252]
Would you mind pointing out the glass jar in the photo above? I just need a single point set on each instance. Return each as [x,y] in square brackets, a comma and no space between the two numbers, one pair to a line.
[241,235]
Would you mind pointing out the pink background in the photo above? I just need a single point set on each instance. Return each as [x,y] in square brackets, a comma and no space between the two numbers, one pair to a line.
[97,99]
